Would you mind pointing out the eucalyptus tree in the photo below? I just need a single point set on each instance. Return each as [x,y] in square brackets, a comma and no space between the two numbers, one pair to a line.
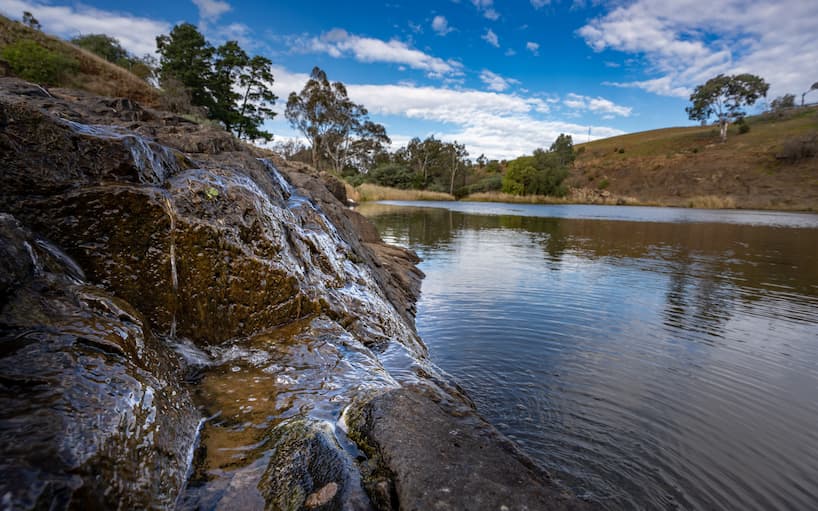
[336,128]
[724,96]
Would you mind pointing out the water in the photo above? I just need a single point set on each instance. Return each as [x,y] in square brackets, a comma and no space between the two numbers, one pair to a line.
[650,358]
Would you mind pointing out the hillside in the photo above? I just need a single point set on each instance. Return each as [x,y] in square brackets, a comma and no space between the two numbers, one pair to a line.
[94,74]
[773,166]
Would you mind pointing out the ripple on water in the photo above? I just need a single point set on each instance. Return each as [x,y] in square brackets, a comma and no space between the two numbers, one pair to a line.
[662,362]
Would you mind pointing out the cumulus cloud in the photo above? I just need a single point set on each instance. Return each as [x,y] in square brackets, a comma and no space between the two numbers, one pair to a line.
[776,40]
[533,47]
[597,105]
[339,43]
[496,82]
[137,35]
[495,124]
[441,26]
[491,38]
[487,8]
[211,10]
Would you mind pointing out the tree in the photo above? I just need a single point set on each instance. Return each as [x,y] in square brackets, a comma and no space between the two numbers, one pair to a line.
[232,87]
[256,81]
[335,127]
[724,97]
[781,102]
[185,55]
[457,153]
[813,87]
[103,45]
[543,172]
[30,21]
[230,60]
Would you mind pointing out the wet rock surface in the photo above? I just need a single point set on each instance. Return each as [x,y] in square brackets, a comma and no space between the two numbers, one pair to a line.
[430,450]
[207,279]
[91,413]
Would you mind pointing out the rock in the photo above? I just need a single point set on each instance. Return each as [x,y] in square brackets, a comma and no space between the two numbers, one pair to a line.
[429,449]
[309,469]
[92,414]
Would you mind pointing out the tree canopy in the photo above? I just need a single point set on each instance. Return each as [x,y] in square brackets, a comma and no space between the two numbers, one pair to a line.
[543,172]
[338,130]
[232,87]
[725,96]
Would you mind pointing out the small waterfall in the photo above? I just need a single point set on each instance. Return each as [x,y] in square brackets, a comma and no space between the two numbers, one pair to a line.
[154,162]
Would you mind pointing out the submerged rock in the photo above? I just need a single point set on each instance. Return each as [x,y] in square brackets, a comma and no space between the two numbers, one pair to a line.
[92,415]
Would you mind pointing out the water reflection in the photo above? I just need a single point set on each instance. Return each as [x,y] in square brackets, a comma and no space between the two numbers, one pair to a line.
[649,364]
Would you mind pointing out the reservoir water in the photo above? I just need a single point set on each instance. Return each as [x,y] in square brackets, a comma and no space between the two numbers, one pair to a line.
[649,358]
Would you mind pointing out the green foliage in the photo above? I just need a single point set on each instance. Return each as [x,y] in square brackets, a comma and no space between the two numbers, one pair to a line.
[35,63]
[487,184]
[393,175]
[782,102]
[338,130]
[621,150]
[541,173]
[105,46]
[186,56]
[232,87]
[603,184]
[742,125]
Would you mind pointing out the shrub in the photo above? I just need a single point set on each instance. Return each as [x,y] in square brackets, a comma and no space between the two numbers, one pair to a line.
[742,125]
[799,148]
[34,63]
[394,175]
[621,150]
[603,184]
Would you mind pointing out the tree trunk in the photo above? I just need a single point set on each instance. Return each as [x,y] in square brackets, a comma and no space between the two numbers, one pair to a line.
[723,129]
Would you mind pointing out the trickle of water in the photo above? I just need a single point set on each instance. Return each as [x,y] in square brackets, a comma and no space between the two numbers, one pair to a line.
[155,162]
[174,276]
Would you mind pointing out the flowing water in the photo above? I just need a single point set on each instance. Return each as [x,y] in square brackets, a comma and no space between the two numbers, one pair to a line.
[650,358]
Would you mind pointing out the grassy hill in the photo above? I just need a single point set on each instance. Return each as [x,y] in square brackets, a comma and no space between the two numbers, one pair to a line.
[773,166]
[94,74]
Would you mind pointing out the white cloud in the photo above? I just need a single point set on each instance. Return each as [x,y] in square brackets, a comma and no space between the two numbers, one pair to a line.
[540,3]
[662,86]
[487,8]
[498,125]
[533,47]
[211,10]
[338,43]
[491,38]
[137,35]
[496,82]
[510,52]
[441,26]
[597,105]
[775,40]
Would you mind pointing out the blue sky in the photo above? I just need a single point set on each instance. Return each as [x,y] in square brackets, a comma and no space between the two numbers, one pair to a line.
[504,77]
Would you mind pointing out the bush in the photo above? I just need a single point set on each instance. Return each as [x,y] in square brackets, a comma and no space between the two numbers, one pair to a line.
[603,184]
[394,175]
[621,150]
[34,63]
[742,125]
[800,148]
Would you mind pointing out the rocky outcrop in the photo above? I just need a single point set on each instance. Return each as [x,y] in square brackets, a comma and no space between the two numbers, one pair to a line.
[92,412]
[204,278]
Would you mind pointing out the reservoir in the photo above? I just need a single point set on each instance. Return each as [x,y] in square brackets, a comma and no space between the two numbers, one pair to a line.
[649,358]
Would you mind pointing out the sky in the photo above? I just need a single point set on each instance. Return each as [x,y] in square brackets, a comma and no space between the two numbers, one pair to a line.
[504,77]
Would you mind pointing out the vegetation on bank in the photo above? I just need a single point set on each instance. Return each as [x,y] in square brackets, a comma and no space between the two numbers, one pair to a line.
[769,160]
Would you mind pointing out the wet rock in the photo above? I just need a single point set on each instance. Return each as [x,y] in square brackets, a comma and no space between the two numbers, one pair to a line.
[310,470]
[91,412]
[430,450]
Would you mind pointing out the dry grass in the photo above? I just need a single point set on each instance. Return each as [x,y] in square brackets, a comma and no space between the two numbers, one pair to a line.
[369,192]
[712,202]
[575,196]
[95,75]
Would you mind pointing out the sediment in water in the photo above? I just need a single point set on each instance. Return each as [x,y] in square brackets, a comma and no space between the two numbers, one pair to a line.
[228,286]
